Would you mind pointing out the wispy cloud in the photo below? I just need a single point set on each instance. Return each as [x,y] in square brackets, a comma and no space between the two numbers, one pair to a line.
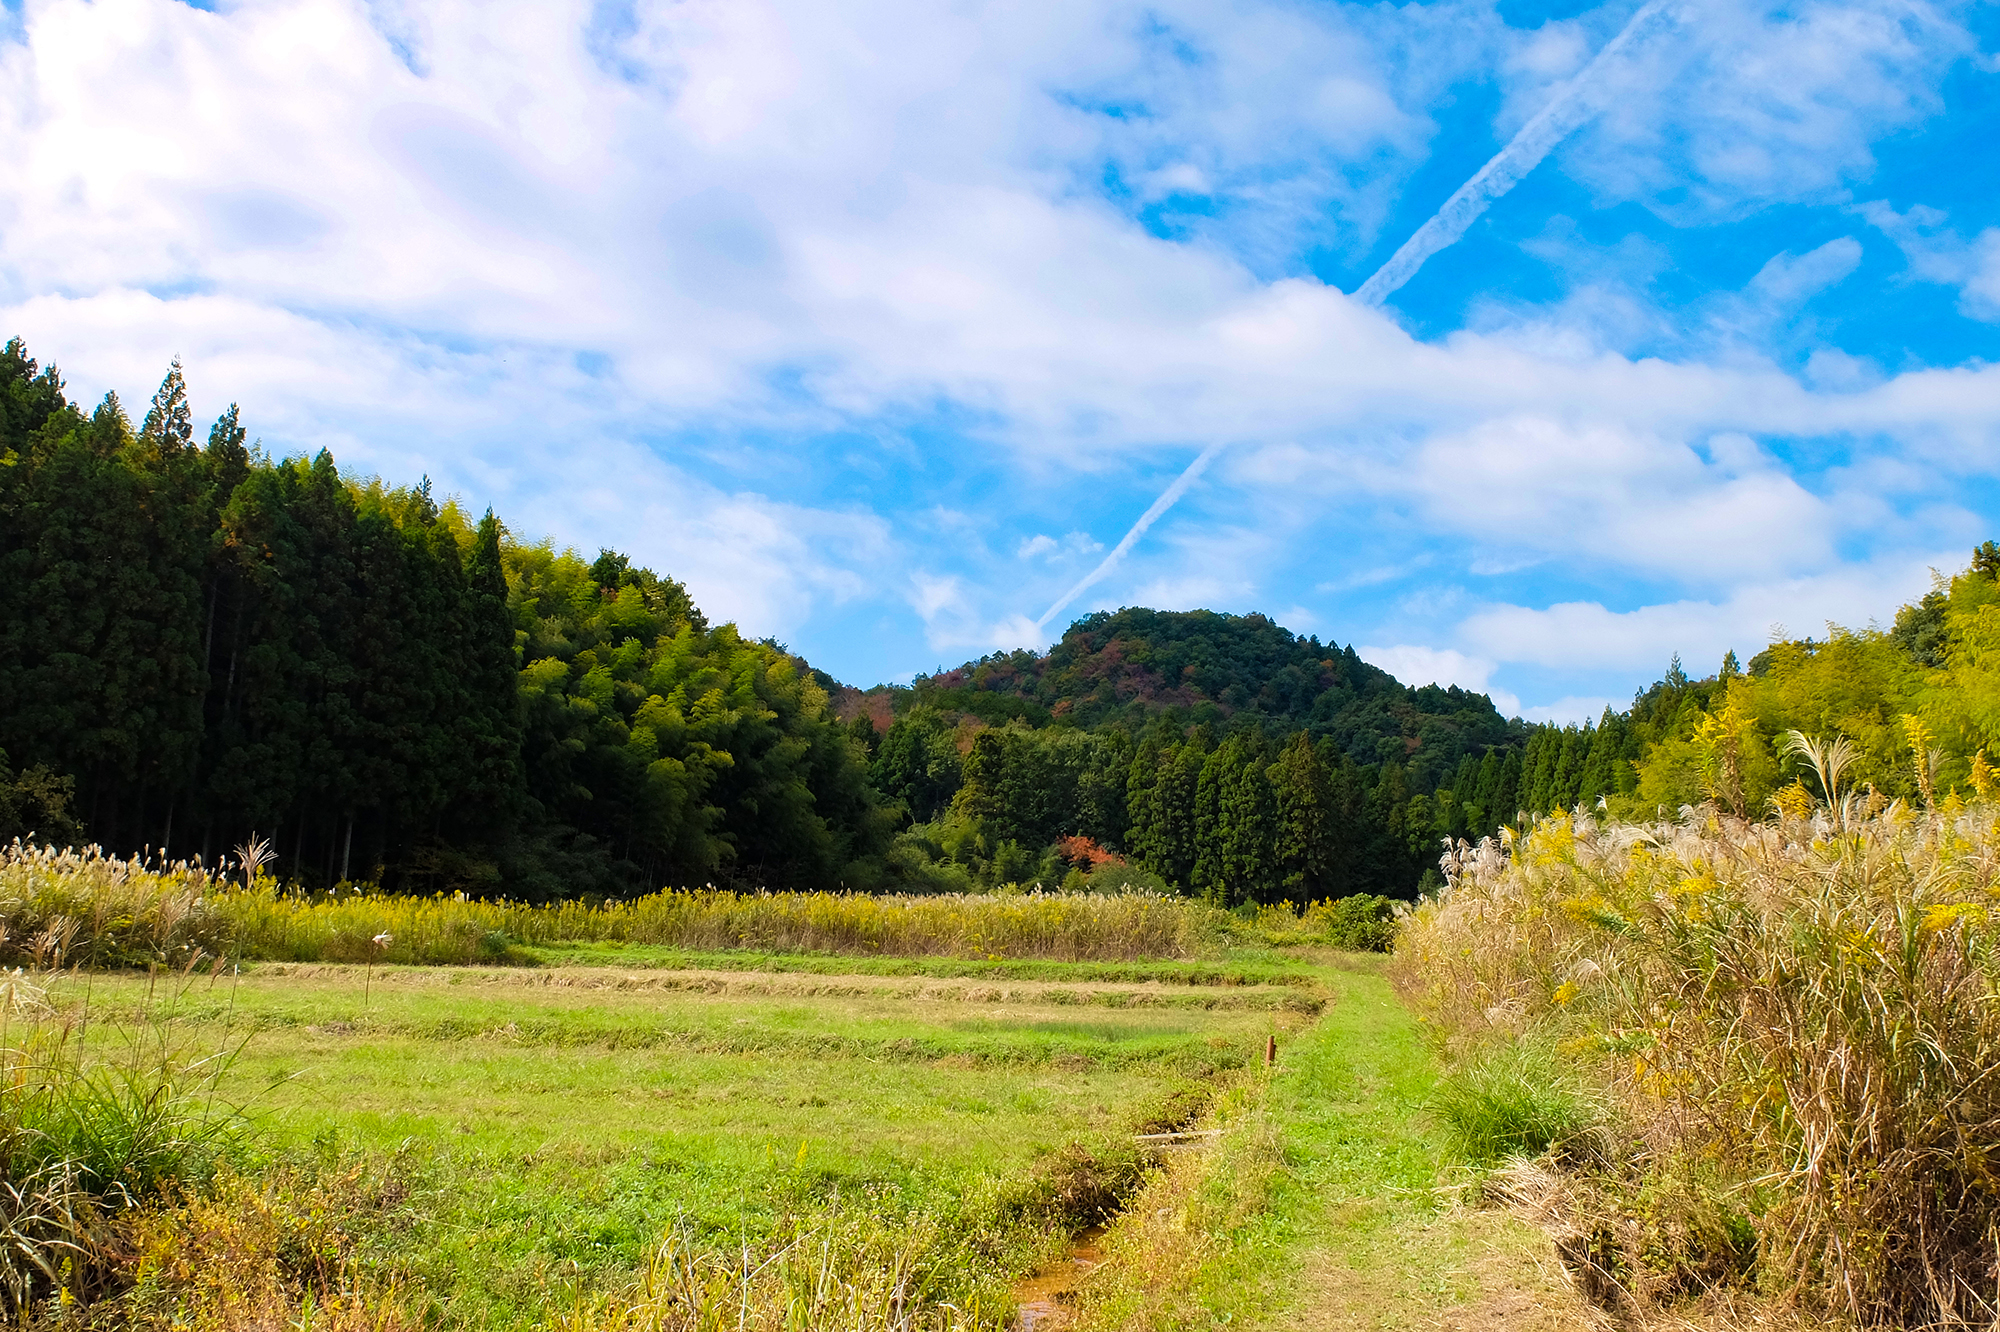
[1575,102]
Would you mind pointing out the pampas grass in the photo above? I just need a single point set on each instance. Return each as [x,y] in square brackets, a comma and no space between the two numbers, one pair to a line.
[1801,1013]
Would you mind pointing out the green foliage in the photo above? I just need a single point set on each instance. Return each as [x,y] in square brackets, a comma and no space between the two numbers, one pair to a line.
[1129,667]
[1719,738]
[35,807]
[1513,1099]
[1361,923]
[694,754]
[207,645]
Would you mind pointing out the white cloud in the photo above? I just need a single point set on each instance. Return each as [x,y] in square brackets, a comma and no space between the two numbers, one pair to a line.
[1937,253]
[1073,546]
[933,596]
[1587,635]
[1414,664]
[1570,711]
[535,256]
[952,620]
[1620,499]
[1749,102]
[763,563]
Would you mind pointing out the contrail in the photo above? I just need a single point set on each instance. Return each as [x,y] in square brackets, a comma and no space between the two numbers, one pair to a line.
[1146,519]
[1573,104]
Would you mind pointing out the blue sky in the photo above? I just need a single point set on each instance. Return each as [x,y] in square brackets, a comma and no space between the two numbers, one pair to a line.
[880,324]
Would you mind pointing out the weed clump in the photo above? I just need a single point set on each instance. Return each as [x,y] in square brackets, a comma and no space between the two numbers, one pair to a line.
[93,1127]
[1515,1099]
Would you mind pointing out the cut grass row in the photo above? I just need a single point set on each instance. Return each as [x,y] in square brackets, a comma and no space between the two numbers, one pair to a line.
[519,1142]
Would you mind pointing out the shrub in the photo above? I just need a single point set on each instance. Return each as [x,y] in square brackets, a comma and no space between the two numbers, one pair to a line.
[1362,923]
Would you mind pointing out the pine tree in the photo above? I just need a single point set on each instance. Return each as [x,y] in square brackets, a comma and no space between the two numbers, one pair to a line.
[1247,826]
[169,425]
[1600,767]
[1303,801]
[1142,821]
[1207,876]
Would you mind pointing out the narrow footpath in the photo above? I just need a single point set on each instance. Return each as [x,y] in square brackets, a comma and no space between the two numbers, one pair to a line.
[1329,1205]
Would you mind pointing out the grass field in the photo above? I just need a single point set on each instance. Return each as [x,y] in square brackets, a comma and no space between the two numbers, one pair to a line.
[544,1127]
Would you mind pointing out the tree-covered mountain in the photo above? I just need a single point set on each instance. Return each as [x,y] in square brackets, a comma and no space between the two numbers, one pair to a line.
[1212,753]
[1127,668]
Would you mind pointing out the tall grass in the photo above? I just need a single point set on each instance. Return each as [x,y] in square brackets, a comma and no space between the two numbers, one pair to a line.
[83,908]
[1517,1099]
[1801,1014]
[1063,927]
[86,908]
[94,1123]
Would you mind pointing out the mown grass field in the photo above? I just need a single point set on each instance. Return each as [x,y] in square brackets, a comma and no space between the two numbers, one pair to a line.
[536,1130]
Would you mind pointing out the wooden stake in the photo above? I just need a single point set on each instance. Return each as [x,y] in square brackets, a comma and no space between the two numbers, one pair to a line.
[1270,1049]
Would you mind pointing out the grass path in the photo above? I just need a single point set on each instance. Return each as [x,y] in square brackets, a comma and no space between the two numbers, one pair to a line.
[1322,1210]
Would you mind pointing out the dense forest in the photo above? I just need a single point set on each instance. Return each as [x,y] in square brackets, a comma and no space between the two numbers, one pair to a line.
[200,644]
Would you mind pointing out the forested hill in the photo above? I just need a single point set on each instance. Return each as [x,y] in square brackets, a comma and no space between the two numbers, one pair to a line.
[1128,667]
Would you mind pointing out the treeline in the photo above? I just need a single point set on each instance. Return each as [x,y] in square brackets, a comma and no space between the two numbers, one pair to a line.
[199,645]
[1918,705]
[1247,818]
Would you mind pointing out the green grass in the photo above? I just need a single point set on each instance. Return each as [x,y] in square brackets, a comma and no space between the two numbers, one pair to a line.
[1517,1099]
[544,1127]
[1329,1201]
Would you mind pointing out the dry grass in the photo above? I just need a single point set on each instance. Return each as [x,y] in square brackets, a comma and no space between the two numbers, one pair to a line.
[86,908]
[83,908]
[1074,927]
[1794,1022]
[842,1274]
[256,1254]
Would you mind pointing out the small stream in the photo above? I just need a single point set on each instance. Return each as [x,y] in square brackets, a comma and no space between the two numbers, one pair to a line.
[1047,1299]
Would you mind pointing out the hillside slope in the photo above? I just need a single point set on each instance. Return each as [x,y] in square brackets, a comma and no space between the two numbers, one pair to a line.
[1132,667]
